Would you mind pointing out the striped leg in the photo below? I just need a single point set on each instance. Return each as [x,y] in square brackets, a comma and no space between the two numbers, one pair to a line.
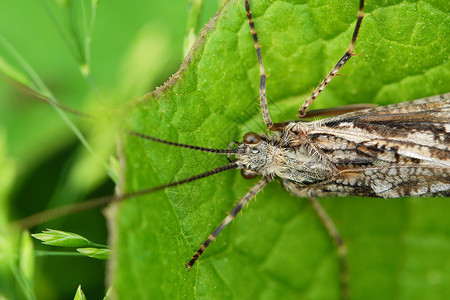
[262,74]
[231,215]
[338,242]
[337,67]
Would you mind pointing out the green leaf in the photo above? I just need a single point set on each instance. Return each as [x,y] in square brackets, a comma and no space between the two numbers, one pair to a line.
[26,256]
[62,239]
[108,294]
[102,254]
[16,249]
[44,148]
[79,295]
[11,72]
[278,248]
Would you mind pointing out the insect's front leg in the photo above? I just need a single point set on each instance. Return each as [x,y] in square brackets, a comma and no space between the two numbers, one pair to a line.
[231,215]
[262,74]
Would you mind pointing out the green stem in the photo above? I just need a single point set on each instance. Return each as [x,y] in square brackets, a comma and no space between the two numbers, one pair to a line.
[56,253]
[24,284]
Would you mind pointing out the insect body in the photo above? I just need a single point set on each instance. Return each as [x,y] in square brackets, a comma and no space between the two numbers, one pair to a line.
[393,151]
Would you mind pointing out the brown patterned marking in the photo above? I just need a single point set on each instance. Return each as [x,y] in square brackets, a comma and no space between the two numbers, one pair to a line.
[386,181]
[262,73]
[278,126]
[347,55]
[439,105]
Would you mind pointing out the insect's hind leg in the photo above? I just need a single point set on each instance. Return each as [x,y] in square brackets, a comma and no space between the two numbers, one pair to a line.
[338,242]
[262,74]
[347,55]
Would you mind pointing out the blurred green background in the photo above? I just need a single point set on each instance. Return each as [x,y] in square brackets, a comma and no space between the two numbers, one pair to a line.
[136,46]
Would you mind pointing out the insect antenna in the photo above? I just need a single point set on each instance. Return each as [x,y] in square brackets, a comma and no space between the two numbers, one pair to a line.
[58,212]
[203,149]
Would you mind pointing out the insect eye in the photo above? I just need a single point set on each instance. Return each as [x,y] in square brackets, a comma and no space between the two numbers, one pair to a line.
[248,174]
[251,138]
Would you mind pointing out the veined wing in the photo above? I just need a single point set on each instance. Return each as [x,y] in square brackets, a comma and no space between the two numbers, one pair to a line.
[418,129]
[391,151]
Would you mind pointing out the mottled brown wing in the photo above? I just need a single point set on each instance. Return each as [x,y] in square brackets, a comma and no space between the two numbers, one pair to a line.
[420,107]
[391,151]
[385,182]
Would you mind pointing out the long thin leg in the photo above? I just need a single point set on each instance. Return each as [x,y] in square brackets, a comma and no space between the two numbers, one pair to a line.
[325,112]
[262,74]
[337,110]
[337,67]
[338,242]
[231,215]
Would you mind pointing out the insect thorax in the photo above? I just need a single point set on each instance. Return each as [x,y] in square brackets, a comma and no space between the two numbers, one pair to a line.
[286,155]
